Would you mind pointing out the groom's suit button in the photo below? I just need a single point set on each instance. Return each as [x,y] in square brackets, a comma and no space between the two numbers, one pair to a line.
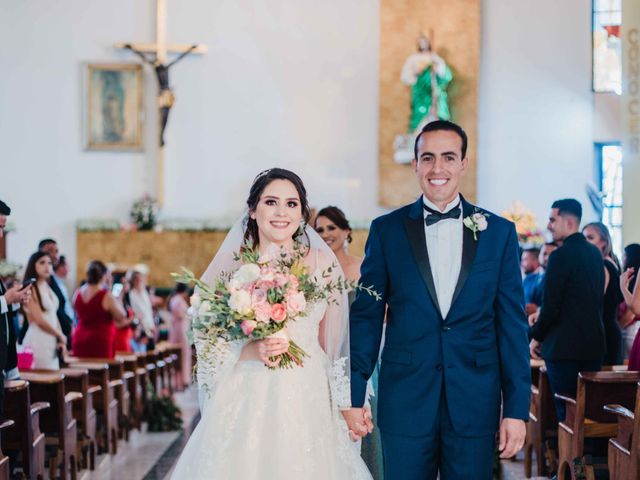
[445,328]
[439,367]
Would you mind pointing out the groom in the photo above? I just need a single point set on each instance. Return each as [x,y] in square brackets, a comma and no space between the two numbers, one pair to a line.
[456,337]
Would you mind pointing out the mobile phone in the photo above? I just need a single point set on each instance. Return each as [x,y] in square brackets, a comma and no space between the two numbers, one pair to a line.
[116,289]
[27,282]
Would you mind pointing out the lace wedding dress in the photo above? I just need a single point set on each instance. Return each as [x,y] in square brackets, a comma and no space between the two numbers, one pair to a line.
[276,424]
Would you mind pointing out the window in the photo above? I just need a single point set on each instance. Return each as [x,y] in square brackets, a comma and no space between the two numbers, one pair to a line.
[611,188]
[607,50]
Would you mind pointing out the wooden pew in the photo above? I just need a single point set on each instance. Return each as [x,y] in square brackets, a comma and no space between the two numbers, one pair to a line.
[77,380]
[135,384]
[541,428]
[122,394]
[5,471]
[586,418]
[57,423]
[624,449]
[105,404]
[25,436]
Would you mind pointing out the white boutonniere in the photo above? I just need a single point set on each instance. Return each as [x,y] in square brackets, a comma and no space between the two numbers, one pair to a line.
[476,222]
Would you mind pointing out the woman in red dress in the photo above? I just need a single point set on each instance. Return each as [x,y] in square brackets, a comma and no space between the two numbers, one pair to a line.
[99,313]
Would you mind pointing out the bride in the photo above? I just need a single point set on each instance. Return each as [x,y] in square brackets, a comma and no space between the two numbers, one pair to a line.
[261,423]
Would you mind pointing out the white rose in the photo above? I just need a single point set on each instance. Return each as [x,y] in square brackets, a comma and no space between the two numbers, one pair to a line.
[468,222]
[481,221]
[247,273]
[205,306]
[240,301]
[195,301]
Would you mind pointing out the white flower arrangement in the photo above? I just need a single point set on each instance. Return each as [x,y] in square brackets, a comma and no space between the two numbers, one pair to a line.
[476,222]
[98,225]
[9,269]
[144,213]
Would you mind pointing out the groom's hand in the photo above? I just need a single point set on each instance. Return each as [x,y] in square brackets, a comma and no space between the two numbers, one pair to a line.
[512,434]
[359,422]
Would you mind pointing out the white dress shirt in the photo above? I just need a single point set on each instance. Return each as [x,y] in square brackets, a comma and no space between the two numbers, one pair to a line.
[444,244]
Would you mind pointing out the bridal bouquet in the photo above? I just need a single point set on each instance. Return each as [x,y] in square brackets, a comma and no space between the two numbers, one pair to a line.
[258,299]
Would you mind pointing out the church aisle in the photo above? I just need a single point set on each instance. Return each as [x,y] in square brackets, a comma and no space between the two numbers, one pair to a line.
[148,456]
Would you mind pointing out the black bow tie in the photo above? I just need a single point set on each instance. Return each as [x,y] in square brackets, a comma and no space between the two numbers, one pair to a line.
[435,216]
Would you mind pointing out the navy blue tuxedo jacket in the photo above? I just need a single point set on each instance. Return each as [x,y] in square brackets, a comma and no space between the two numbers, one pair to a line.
[478,354]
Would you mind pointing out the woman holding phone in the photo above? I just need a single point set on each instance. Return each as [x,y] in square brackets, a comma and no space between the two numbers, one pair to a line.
[44,335]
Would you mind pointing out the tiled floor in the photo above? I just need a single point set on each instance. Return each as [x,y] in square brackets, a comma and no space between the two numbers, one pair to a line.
[151,456]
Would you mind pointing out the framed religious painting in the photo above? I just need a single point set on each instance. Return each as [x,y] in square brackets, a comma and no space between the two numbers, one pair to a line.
[114,110]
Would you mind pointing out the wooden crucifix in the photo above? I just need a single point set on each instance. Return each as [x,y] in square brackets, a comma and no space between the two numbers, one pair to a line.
[155,54]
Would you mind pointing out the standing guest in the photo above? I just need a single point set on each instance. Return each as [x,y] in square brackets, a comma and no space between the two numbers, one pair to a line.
[44,335]
[10,300]
[530,265]
[180,325]
[332,225]
[543,259]
[570,321]
[65,313]
[141,302]
[597,234]
[630,288]
[124,334]
[99,313]
[629,320]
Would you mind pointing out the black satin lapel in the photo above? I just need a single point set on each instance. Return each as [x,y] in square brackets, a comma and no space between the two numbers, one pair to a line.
[415,232]
[469,248]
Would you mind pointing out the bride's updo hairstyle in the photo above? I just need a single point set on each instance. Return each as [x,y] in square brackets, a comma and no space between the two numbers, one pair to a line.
[261,181]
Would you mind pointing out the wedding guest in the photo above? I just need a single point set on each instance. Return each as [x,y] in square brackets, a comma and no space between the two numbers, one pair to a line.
[99,313]
[597,234]
[10,300]
[332,225]
[180,325]
[629,320]
[570,321]
[124,334]
[44,334]
[65,313]
[141,302]
[530,266]
[543,259]
[630,289]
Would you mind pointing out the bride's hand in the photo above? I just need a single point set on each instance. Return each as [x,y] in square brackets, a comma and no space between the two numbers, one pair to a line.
[264,349]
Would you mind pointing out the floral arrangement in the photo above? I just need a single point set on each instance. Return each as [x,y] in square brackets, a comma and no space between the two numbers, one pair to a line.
[526,224]
[144,213]
[476,222]
[9,269]
[98,225]
[258,299]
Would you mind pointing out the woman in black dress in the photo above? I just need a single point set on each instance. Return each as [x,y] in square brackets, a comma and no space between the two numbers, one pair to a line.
[598,234]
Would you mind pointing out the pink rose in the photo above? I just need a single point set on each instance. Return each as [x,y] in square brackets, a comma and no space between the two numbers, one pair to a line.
[248,326]
[293,282]
[278,312]
[296,303]
[263,312]
[281,279]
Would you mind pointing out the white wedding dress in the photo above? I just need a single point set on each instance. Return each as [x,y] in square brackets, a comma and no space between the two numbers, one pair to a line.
[276,424]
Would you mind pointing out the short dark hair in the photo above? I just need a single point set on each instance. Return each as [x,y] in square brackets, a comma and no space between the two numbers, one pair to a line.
[442,125]
[4,208]
[95,271]
[568,206]
[181,287]
[44,242]
[632,260]
[551,244]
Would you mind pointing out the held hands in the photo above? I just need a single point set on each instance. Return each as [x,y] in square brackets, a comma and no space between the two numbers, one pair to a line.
[534,349]
[625,279]
[359,422]
[533,318]
[512,434]
[17,294]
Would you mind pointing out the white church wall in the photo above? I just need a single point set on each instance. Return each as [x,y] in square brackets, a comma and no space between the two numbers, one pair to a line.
[536,106]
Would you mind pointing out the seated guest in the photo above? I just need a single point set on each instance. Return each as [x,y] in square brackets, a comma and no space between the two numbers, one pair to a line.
[180,325]
[530,266]
[44,334]
[99,313]
[629,320]
[598,234]
[332,225]
[570,322]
